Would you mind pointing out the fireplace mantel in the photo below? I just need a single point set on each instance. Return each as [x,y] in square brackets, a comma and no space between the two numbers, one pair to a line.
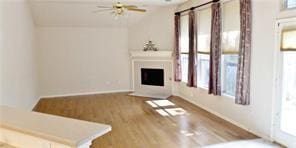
[151,54]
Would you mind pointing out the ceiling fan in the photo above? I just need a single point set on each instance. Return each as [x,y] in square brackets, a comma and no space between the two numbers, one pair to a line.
[119,9]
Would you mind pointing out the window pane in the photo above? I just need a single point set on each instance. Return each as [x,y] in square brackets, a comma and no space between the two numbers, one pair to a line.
[204,30]
[184,64]
[291,3]
[289,40]
[288,120]
[229,68]
[203,70]
[184,33]
[231,26]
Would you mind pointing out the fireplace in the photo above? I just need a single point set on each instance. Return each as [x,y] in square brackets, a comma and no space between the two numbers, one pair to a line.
[154,77]
[152,74]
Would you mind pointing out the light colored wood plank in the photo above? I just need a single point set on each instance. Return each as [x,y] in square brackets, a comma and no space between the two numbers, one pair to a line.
[3,145]
[136,124]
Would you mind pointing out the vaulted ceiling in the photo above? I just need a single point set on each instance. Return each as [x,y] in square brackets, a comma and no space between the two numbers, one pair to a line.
[79,13]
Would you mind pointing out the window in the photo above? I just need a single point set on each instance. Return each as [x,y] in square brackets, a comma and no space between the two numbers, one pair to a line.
[204,39]
[230,45]
[288,4]
[184,45]
[288,47]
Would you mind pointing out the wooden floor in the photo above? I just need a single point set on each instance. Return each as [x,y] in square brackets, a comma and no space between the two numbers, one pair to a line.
[136,124]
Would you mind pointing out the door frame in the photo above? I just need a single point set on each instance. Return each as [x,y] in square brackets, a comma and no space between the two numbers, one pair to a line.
[276,133]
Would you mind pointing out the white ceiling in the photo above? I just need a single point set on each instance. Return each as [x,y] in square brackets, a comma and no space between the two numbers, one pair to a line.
[79,13]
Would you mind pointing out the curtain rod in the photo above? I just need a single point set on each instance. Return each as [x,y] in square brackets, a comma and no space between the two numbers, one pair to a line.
[192,8]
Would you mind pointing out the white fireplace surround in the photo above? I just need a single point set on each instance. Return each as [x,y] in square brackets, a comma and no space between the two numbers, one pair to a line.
[153,60]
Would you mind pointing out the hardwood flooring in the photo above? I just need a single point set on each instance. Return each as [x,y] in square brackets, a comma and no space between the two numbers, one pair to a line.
[136,124]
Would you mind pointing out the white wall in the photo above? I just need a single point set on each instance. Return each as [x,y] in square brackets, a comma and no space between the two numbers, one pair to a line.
[256,117]
[80,60]
[83,60]
[18,74]
[157,26]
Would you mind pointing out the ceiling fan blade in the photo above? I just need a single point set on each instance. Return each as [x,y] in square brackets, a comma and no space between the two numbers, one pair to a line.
[129,6]
[105,6]
[103,10]
[135,9]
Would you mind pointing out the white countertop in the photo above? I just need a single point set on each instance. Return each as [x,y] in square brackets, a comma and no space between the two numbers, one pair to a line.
[62,130]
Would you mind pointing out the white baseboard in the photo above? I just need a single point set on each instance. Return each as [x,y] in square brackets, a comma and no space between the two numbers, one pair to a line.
[226,118]
[155,96]
[34,104]
[84,93]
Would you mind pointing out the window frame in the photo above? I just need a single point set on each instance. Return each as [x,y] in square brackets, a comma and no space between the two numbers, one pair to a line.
[281,73]
[279,134]
[181,51]
[202,53]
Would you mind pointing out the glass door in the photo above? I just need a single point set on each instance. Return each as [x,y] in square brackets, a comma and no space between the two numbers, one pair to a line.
[285,102]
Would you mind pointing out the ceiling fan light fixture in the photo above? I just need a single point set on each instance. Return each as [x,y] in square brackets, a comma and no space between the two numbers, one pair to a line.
[118,14]
[119,9]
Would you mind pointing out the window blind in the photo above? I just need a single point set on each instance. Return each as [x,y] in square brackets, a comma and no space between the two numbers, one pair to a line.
[288,40]
[231,27]
[204,30]
[184,42]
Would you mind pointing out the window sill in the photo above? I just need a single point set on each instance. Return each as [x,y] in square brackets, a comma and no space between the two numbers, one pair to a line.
[184,83]
[228,96]
[203,88]
[287,9]
[223,94]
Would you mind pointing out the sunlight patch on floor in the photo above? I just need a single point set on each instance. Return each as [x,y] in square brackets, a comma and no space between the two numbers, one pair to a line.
[175,111]
[160,103]
[166,108]
[162,112]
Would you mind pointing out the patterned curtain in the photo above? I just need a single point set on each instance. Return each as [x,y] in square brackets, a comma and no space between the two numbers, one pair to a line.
[215,53]
[243,74]
[177,59]
[192,50]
